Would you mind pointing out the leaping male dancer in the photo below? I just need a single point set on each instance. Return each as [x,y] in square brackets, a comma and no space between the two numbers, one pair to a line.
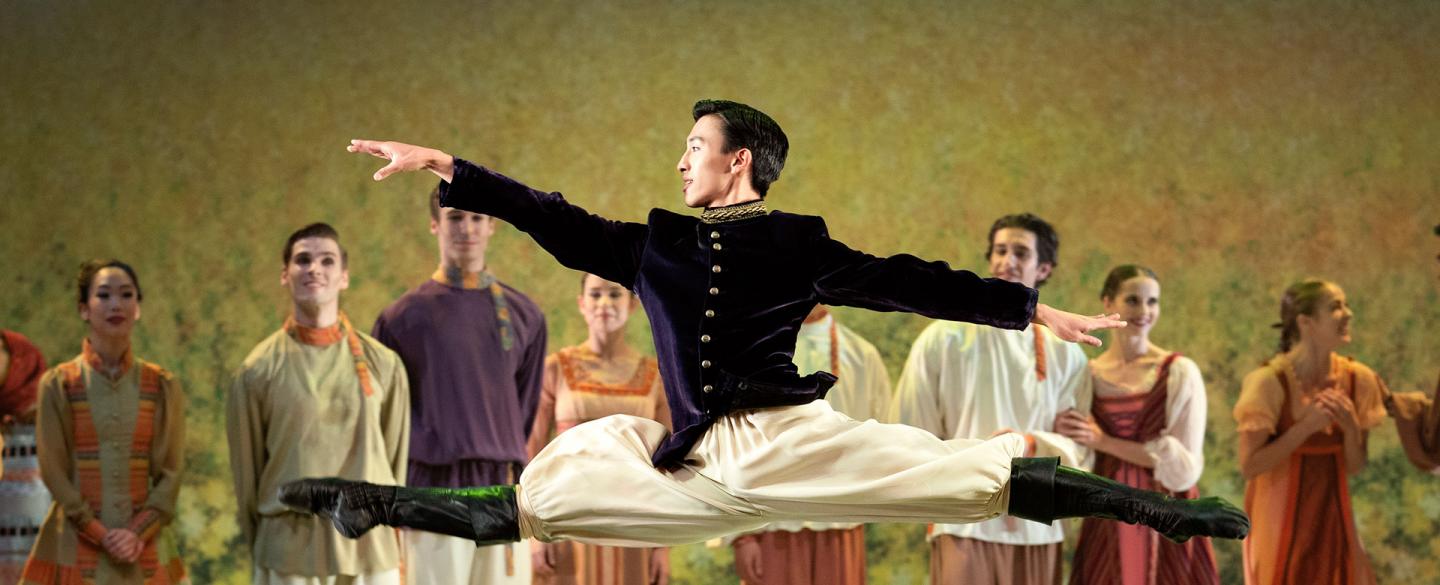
[726,293]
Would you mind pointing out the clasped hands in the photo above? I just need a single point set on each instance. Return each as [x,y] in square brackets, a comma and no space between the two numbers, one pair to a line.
[1327,407]
[123,545]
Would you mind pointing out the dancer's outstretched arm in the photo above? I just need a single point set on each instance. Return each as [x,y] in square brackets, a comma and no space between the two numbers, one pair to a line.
[576,238]
[844,276]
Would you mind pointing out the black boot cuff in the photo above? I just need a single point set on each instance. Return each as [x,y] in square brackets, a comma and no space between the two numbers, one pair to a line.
[1032,488]
[496,521]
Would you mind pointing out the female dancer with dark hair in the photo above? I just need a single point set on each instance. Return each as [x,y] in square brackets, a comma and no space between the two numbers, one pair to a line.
[1147,430]
[111,437]
[599,377]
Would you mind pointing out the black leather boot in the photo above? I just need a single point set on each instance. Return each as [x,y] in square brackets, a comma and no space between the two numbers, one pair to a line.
[1043,491]
[485,515]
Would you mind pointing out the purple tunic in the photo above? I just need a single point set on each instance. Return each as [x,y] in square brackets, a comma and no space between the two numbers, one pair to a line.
[471,401]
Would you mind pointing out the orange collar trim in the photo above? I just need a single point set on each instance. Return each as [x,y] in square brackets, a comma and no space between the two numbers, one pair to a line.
[322,336]
[91,357]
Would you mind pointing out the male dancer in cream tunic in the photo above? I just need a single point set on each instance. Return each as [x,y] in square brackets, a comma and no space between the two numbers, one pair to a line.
[964,381]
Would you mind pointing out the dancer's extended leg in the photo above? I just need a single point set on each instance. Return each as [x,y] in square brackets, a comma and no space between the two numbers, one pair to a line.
[486,515]
[1042,490]
[804,462]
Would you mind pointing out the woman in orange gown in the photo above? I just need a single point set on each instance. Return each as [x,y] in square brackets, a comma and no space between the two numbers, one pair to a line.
[1303,419]
[599,377]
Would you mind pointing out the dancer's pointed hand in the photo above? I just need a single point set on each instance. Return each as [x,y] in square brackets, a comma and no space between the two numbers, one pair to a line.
[1072,327]
[405,158]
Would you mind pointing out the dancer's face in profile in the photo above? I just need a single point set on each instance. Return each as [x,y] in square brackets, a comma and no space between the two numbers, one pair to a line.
[463,236]
[1013,257]
[1329,327]
[707,172]
[604,305]
[114,304]
[316,273]
[1137,301]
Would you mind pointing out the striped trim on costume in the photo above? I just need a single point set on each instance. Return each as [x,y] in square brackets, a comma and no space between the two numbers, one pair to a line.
[145,522]
[38,572]
[639,383]
[482,280]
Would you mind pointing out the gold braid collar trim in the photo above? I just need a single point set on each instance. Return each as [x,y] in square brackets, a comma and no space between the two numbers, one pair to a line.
[734,212]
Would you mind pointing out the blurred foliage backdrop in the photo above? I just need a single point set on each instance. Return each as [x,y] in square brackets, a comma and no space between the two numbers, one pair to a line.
[1234,147]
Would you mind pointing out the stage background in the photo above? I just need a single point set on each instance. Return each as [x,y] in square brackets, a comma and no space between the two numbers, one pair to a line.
[1234,147]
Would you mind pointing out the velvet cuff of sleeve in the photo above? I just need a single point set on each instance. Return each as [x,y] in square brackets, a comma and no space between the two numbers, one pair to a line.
[1030,303]
[458,179]
[477,189]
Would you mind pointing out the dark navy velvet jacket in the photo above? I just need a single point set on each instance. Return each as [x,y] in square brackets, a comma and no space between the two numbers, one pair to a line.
[726,300]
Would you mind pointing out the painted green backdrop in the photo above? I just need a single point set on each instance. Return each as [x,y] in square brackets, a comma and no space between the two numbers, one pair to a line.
[1232,146]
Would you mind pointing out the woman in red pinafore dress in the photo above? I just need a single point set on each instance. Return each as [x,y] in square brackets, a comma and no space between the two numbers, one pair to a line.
[1146,429]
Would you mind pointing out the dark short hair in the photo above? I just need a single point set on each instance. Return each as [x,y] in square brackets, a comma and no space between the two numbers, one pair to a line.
[315,230]
[749,128]
[88,271]
[1122,273]
[1047,241]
